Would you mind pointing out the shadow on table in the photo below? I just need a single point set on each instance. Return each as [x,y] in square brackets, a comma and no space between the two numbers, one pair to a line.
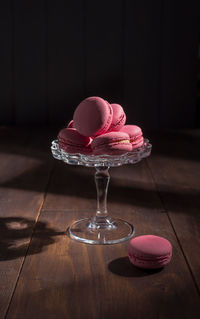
[16,233]
[123,267]
[79,182]
[176,143]
[172,143]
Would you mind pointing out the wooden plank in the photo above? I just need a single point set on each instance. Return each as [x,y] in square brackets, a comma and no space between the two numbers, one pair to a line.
[179,64]
[104,51]
[142,57]
[176,169]
[67,279]
[9,269]
[119,288]
[65,59]
[6,58]
[67,189]
[75,188]
[29,63]
[24,173]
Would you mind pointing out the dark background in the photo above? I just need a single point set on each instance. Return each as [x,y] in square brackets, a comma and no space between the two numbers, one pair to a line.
[141,54]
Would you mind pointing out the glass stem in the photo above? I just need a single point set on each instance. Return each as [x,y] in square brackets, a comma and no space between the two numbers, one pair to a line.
[102,179]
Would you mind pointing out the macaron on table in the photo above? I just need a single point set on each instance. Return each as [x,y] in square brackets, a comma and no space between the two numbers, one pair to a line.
[149,251]
[98,137]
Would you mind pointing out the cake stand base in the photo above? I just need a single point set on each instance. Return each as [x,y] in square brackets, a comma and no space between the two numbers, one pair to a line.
[90,231]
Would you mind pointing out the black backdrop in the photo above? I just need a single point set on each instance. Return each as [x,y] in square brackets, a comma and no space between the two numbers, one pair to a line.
[142,54]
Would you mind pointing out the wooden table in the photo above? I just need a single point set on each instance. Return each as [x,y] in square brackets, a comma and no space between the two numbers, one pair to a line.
[44,274]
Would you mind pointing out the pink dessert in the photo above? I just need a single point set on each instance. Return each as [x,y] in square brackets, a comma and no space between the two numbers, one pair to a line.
[149,251]
[135,134]
[112,143]
[71,124]
[71,141]
[93,116]
[118,119]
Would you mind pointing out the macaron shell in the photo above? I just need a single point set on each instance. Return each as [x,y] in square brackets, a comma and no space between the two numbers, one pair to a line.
[137,143]
[149,251]
[71,141]
[150,264]
[108,138]
[135,134]
[71,124]
[93,116]
[119,117]
[113,149]
[132,130]
[112,143]
[73,136]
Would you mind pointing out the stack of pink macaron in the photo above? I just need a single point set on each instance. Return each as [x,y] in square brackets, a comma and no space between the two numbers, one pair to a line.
[98,128]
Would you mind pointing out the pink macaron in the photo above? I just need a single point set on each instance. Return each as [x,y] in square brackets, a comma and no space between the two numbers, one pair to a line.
[70,124]
[135,134]
[112,143]
[93,116]
[71,141]
[119,117]
[149,251]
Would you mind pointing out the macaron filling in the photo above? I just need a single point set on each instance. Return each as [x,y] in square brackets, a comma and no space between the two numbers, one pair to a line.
[153,263]
[116,142]
[136,139]
[150,258]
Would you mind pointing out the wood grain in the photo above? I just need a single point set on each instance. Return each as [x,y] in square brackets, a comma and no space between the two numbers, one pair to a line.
[22,183]
[68,279]
[75,188]
[46,274]
[67,189]
[176,170]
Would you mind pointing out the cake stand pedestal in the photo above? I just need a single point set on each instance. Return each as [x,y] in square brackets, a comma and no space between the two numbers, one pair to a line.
[101,228]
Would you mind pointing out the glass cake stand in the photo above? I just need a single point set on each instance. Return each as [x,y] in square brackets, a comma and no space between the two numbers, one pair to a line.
[101,228]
